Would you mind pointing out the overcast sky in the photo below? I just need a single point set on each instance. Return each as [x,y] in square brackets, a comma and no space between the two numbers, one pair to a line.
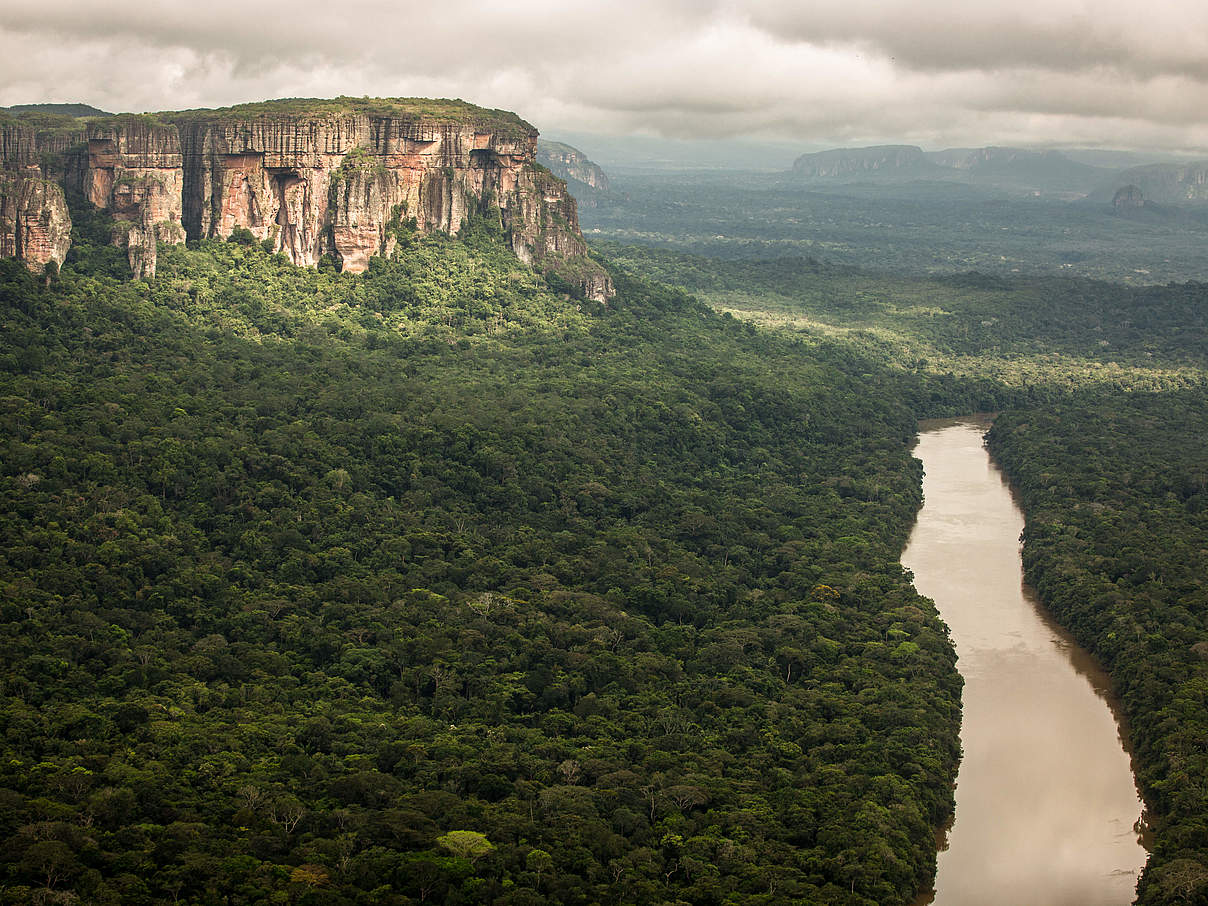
[1110,73]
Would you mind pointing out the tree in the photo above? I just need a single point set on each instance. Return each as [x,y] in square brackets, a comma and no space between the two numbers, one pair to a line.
[466,844]
[538,861]
[51,861]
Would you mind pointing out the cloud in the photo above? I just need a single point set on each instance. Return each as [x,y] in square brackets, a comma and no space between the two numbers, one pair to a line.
[1170,37]
[833,71]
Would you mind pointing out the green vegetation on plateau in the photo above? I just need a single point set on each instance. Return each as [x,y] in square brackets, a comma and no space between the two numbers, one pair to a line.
[437,111]
[72,110]
[1116,494]
[431,110]
[433,585]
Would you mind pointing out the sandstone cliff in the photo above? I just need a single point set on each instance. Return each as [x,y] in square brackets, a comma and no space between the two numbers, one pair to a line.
[1128,197]
[133,170]
[34,144]
[34,224]
[313,178]
[129,166]
[335,176]
[570,163]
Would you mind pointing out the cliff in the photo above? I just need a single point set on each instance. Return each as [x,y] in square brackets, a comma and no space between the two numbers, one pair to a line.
[858,161]
[132,168]
[34,224]
[570,163]
[1168,183]
[1130,202]
[129,166]
[37,145]
[1128,197]
[315,177]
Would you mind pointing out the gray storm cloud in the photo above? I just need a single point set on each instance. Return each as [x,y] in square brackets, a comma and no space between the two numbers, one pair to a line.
[1168,37]
[1044,72]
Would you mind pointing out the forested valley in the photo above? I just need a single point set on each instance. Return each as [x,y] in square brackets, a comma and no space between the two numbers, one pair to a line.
[440,584]
[435,585]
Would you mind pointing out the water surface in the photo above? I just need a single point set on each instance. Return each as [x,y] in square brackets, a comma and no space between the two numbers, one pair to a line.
[1046,803]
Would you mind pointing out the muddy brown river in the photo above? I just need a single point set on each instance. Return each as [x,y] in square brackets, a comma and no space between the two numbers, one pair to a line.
[1046,804]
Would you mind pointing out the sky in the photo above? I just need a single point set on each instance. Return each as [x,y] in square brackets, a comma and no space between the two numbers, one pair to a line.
[819,73]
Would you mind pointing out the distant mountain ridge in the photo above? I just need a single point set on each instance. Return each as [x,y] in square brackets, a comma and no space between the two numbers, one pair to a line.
[839,162]
[1016,168]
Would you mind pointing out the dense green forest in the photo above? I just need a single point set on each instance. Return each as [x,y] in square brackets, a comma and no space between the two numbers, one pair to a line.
[1116,493]
[436,585]
[1063,332]
[1106,396]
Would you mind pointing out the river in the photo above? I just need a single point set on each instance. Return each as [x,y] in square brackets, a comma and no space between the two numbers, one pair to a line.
[1046,803]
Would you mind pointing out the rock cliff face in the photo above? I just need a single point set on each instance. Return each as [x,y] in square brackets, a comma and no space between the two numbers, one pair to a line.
[315,178]
[337,183]
[133,170]
[125,165]
[32,148]
[34,224]
[570,163]
[545,233]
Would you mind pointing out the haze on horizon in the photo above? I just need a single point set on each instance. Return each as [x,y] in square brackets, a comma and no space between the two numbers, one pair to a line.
[940,73]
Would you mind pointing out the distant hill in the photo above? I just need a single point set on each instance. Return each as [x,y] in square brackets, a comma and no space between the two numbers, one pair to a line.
[1020,167]
[1169,183]
[585,179]
[61,109]
[1130,202]
[898,160]
[1015,169]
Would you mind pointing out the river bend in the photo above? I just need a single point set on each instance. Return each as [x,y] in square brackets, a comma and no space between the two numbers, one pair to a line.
[1046,803]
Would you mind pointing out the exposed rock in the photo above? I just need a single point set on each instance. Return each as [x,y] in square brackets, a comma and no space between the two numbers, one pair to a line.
[39,149]
[337,181]
[544,226]
[569,163]
[1128,197]
[133,170]
[313,178]
[128,166]
[35,227]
